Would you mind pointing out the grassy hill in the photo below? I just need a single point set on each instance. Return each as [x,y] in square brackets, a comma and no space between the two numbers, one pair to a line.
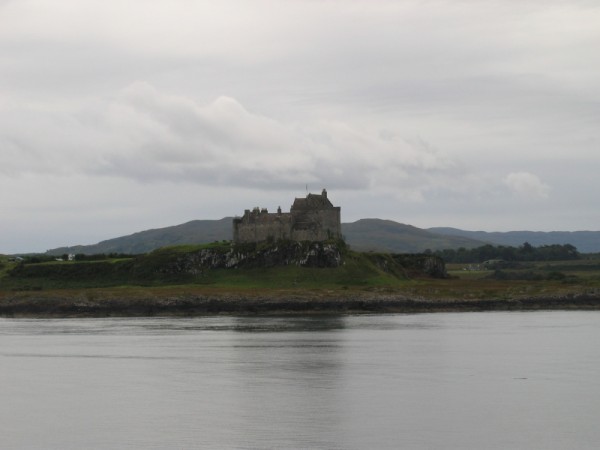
[273,266]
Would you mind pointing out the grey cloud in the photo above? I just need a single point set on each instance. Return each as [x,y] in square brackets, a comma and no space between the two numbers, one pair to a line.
[150,136]
[154,136]
[527,184]
[411,110]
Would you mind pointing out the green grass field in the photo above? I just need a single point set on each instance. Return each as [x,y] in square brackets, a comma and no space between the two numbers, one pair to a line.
[361,272]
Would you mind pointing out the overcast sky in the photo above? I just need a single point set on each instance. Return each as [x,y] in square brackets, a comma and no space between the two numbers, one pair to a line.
[120,116]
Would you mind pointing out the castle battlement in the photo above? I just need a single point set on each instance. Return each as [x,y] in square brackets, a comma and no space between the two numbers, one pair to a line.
[313,218]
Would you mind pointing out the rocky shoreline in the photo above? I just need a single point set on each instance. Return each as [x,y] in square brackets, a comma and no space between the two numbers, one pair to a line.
[97,305]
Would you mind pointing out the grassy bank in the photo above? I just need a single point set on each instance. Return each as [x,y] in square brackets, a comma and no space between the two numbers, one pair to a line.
[366,282]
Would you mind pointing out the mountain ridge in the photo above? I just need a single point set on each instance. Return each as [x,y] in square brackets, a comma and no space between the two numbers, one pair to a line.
[370,234]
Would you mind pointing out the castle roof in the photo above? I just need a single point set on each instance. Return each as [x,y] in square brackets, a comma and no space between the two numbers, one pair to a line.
[312,201]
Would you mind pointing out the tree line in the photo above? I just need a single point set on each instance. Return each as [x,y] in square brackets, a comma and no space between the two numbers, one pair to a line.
[525,252]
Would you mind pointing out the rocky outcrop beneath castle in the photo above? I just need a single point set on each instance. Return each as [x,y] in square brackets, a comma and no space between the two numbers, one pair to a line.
[283,253]
[302,254]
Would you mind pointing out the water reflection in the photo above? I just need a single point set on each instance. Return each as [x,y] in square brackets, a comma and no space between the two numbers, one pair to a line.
[288,382]
[492,380]
[289,323]
[242,324]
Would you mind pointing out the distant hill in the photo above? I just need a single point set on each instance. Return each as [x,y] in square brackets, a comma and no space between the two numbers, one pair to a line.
[585,241]
[387,235]
[365,234]
[194,232]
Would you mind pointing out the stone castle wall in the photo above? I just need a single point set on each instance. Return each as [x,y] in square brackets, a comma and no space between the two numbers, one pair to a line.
[313,218]
[260,225]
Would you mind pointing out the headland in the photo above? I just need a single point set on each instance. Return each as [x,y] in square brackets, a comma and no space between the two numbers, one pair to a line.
[284,263]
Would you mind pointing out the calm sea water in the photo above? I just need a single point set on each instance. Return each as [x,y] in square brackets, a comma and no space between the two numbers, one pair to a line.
[521,380]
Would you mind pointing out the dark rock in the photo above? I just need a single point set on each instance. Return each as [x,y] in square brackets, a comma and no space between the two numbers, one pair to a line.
[283,253]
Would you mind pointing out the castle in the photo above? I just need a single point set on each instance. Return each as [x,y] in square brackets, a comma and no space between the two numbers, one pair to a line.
[313,218]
